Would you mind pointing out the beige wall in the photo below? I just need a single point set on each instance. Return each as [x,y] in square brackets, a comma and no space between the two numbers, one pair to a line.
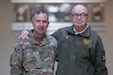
[108,43]
[9,37]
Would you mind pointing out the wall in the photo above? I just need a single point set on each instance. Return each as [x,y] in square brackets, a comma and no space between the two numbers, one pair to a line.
[9,37]
[107,39]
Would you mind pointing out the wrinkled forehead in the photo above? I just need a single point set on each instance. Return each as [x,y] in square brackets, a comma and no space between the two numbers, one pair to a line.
[79,9]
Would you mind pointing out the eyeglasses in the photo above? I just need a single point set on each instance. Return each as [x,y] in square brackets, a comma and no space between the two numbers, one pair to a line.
[82,15]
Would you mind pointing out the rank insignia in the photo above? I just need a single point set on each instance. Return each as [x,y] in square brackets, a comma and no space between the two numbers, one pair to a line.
[86,41]
[67,36]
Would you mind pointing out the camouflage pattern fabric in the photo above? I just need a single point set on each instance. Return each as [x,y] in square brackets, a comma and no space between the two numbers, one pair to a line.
[31,57]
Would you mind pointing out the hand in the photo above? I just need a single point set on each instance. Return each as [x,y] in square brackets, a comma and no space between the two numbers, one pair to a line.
[24,35]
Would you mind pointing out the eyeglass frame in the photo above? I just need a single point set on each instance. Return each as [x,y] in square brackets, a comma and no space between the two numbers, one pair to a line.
[82,15]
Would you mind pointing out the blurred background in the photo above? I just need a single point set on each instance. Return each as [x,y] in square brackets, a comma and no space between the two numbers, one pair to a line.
[15,17]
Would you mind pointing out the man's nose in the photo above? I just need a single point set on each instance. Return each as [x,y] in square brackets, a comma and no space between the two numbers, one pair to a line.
[79,17]
[41,24]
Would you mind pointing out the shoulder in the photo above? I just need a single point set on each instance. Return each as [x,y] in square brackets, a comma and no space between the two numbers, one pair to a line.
[52,40]
[22,43]
[91,32]
[61,31]
[95,37]
[94,34]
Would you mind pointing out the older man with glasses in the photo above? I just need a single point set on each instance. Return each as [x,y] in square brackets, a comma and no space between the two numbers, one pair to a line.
[80,50]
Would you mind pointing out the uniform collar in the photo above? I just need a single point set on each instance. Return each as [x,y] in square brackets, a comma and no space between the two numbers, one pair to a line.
[33,40]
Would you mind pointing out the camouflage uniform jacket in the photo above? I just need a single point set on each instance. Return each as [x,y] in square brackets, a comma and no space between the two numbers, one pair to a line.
[31,57]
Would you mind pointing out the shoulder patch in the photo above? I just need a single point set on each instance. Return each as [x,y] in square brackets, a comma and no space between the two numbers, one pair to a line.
[103,56]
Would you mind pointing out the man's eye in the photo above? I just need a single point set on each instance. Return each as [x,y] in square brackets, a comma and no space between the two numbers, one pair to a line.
[44,21]
[37,21]
[83,14]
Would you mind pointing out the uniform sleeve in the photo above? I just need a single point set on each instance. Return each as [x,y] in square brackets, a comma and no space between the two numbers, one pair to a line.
[100,67]
[16,60]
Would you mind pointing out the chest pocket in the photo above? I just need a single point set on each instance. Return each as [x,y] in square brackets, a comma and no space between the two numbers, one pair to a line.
[30,57]
[36,56]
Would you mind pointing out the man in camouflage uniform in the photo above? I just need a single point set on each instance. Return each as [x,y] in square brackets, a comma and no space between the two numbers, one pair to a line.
[36,55]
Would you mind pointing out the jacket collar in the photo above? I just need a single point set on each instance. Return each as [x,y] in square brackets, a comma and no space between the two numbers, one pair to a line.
[86,33]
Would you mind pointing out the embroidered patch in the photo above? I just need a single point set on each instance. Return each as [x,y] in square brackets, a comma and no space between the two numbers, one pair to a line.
[86,41]
[103,58]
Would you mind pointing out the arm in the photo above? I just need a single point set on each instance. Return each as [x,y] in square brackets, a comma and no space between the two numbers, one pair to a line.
[100,68]
[16,60]
[57,35]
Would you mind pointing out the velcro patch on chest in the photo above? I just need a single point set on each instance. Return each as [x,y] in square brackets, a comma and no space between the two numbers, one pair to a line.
[86,41]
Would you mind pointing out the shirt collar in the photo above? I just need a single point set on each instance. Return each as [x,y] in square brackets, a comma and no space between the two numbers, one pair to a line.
[81,31]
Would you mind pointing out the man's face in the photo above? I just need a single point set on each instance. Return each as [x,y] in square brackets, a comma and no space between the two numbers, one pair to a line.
[40,23]
[79,16]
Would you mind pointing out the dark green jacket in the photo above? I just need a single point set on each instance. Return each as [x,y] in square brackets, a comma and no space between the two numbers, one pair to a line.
[81,54]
